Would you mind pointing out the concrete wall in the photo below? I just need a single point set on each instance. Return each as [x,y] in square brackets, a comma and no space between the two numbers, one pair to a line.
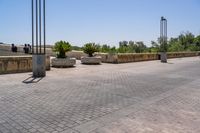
[76,54]
[18,64]
[125,58]
[132,57]
[107,58]
[182,54]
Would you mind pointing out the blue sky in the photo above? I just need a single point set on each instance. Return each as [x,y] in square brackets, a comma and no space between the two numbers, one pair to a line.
[100,21]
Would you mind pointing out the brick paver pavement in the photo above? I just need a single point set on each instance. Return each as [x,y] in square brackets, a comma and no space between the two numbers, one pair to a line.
[109,98]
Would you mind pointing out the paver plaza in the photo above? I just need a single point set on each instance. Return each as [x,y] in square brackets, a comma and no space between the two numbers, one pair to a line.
[110,98]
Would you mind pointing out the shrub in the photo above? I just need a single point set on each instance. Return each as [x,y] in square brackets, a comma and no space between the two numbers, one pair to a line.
[90,49]
[61,48]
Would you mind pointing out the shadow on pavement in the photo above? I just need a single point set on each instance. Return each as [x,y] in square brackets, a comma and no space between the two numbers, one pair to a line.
[170,63]
[32,79]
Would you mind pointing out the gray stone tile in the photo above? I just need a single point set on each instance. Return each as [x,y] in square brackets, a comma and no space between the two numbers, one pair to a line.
[105,98]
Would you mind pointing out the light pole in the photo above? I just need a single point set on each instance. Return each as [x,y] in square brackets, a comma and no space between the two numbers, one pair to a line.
[163,40]
[39,38]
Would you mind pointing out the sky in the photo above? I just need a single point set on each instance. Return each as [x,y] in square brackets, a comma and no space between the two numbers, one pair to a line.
[99,21]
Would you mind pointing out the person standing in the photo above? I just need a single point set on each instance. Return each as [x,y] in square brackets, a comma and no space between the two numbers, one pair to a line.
[29,48]
[13,48]
[26,49]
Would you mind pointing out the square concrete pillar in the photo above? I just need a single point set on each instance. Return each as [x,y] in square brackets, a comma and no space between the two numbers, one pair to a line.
[39,65]
[163,57]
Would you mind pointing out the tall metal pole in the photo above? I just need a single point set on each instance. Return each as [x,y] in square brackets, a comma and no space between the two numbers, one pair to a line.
[163,39]
[36,26]
[44,24]
[161,30]
[40,27]
[39,38]
[32,26]
[166,32]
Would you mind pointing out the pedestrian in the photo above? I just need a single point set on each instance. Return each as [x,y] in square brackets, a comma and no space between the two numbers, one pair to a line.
[26,49]
[29,48]
[13,48]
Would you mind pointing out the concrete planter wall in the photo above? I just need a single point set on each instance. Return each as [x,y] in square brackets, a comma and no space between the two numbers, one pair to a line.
[133,57]
[63,62]
[91,60]
[75,54]
[108,58]
[182,54]
[18,64]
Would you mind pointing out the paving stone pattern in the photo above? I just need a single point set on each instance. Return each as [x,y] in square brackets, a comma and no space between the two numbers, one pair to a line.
[108,98]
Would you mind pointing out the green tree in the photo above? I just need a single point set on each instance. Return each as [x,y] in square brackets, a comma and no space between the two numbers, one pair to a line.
[140,47]
[197,42]
[186,39]
[90,48]
[122,49]
[61,48]
[77,48]
[112,50]
[105,48]
[132,47]
[123,43]
[154,47]
[175,47]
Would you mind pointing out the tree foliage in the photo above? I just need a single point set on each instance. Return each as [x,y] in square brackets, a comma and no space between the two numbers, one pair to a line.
[186,41]
[61,48]
[132,47]
[90,48]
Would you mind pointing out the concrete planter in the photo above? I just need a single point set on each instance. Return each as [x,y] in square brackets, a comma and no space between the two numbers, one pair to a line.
[91,60]
[163,57]
[63,62]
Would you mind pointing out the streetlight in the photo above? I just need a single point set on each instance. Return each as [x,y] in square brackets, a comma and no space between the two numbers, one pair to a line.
[39,38]
[163,40]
